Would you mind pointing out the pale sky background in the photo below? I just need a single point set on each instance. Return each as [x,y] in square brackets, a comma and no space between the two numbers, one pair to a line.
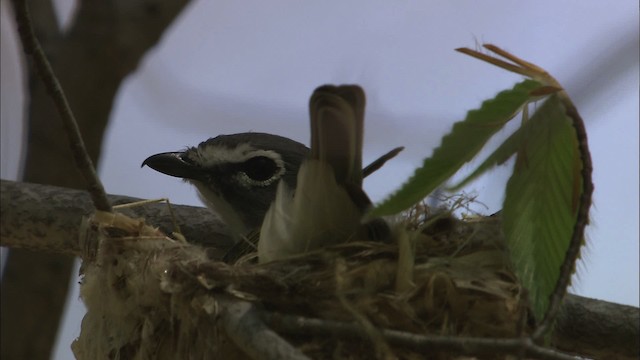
[234,66]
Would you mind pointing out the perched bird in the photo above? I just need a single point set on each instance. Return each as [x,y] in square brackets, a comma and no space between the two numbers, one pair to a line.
[328,203]
[238,175]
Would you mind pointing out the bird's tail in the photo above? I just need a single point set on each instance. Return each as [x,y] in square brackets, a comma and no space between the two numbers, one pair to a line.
[328,202]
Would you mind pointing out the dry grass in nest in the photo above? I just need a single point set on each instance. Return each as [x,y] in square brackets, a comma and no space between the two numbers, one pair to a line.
[152,297]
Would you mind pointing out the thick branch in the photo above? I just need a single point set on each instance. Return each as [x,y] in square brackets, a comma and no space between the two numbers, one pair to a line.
[597,329]
[47,218]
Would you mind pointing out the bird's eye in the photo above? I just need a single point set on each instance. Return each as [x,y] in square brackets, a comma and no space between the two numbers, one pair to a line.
[260,168]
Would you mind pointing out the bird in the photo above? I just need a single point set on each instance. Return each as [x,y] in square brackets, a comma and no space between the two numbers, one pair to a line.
[238,175]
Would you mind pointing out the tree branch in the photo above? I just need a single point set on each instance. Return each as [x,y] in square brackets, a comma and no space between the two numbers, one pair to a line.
[47,218]
[597,329]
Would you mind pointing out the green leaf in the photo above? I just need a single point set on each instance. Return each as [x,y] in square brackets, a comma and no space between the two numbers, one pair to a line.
[539,210]
[498,157]
[465,140]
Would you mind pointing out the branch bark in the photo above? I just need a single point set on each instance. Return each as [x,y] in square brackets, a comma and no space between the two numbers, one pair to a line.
[47,218]
[597,329]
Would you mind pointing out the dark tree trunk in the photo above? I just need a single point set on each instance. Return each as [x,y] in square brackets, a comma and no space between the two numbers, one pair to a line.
[104,45]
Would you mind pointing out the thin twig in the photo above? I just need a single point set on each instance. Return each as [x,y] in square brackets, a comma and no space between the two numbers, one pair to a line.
[462,345]
[33,49]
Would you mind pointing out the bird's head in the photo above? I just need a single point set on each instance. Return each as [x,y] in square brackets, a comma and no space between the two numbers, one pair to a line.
[236,175]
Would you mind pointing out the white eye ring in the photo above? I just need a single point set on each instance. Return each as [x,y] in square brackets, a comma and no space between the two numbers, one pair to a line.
[243,179]
[247,182]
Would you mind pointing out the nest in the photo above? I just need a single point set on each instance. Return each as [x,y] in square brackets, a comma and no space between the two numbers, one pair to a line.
[149,296]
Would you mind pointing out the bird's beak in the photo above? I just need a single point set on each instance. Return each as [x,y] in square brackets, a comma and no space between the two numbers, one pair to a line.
[173,164]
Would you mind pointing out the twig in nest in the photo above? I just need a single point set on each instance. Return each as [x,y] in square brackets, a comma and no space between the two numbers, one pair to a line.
[382,349]
[462,345]
[32,48]
[244,326]
[177,233]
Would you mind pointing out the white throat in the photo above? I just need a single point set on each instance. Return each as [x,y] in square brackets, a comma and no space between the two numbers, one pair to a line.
[223,209]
